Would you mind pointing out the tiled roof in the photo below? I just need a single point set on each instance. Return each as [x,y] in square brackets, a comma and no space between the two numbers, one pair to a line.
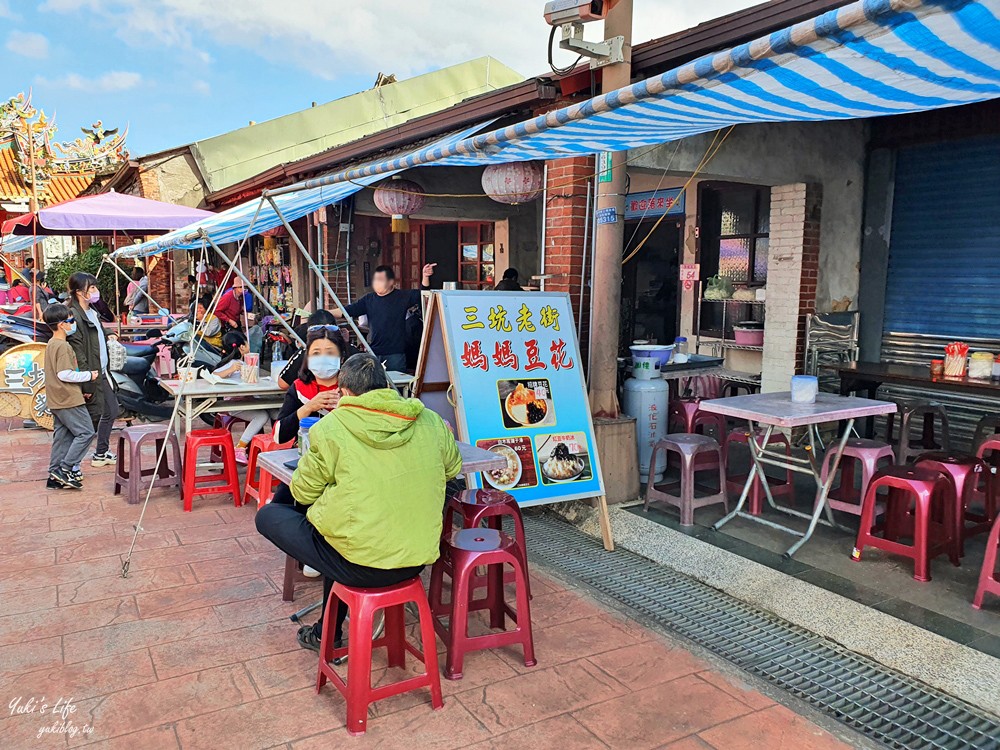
[62,187]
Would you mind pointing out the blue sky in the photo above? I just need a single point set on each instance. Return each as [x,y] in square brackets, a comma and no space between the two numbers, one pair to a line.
[181,70]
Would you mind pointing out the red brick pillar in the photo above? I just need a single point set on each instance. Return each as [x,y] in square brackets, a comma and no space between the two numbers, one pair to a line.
[566,258]
[792,269]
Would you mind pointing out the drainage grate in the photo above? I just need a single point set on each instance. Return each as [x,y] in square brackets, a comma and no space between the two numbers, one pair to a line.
[882,704]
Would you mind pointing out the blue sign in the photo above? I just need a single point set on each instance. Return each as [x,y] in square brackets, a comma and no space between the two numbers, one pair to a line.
[607,216]
[517,373]
[654,203]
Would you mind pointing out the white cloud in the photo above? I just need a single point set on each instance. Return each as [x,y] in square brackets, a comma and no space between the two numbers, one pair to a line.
[114,80]
[5,11]
[201,87]
[28,44]
[377,35]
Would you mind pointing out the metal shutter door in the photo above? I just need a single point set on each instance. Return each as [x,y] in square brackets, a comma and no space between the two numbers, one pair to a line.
[944,253]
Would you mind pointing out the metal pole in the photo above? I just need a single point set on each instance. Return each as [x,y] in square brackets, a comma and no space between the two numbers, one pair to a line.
[239,272]
[606,290]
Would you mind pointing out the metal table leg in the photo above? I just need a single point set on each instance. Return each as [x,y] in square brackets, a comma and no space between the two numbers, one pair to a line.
[751,475]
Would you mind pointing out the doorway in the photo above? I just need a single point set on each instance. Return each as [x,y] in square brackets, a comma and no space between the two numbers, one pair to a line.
[650,282]
[441,247]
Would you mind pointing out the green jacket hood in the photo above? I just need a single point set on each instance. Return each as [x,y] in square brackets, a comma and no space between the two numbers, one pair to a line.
[382,418]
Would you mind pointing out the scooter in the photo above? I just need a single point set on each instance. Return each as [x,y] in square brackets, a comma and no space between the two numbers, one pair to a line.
[138,388]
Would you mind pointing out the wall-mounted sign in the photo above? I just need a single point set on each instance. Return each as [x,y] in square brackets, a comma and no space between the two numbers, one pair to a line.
[607,215]
[690,273]
[604,166]
[654,203]
[22,390]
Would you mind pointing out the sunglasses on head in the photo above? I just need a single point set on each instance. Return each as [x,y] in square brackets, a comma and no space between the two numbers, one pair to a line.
[70,321]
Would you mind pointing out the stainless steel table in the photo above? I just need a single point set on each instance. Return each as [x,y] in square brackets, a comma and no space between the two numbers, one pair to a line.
[202,397]
[474,460]
[778,410]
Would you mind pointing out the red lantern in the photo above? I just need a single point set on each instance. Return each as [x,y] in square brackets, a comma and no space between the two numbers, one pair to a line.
[399,198]
[514,182]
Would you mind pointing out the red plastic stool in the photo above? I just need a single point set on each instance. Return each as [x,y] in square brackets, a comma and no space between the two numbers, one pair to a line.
[195,485]
[476,506]
[989,498]
[252,489]
[468,549]
[688,447]
[363,604]
[686,416]
[928,489]
[736,482]
[965,471]
[226,422]
[867,453]
[988,582]
[131,474]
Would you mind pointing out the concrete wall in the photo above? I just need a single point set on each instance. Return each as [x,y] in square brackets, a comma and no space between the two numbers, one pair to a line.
[829,154]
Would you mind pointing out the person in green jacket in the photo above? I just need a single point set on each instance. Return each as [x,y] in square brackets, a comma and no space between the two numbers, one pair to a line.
[369,493]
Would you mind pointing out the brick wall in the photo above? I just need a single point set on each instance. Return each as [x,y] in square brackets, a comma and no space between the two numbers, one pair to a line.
[792,268]
[565,219]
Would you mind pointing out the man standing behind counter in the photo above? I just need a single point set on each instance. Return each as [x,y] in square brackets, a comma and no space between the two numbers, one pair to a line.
[386,308]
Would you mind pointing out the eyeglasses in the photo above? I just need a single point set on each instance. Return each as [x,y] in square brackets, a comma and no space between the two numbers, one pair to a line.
[324,327]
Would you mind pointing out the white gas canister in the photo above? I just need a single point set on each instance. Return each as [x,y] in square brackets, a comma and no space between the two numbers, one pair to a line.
[647,401]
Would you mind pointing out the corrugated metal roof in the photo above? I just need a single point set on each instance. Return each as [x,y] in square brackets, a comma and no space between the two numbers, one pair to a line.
[59,188]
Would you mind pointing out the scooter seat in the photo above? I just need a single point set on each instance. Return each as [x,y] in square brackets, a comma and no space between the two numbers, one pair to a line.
[136,366]
[140,350]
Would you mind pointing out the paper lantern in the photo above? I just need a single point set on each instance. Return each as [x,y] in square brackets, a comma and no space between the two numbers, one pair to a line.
[514,182]
[399,198]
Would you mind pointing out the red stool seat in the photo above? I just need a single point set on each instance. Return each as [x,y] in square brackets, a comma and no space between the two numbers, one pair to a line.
[476,506]
[736,482]
[131,474]
[988,498]
[688,447]
[362,605]
[252,488]
[988,581]
[929,491]
[965,471]
[209,484]
[867,453]
[462,554]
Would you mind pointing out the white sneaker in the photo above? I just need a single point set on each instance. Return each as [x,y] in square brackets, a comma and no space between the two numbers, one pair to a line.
[310,572]
[104,459]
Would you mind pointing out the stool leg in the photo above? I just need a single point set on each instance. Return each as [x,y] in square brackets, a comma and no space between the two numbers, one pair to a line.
[722,482]
[494,595]
[429,648]
[522,544]
[437,584]
[524,617]
[922,519]
[359,666]
[187,486]
[266,489]
[988,572]
[395,635]
[458,624]
[326,640]
[120,466]
[687,489]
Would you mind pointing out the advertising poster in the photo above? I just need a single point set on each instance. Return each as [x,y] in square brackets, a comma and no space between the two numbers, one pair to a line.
[520,393]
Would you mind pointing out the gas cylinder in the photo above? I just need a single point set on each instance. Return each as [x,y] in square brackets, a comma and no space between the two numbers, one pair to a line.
[647,401]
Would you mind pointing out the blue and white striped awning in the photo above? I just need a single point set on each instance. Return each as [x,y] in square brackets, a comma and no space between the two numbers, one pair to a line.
[870,59]
[16,243]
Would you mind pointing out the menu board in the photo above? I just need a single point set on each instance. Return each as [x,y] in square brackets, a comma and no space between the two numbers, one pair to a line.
[517,387]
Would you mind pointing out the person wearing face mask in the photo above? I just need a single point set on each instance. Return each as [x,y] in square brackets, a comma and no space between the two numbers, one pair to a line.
[386,308]
[315,392]
[73,429]
[91,348]
[294,365]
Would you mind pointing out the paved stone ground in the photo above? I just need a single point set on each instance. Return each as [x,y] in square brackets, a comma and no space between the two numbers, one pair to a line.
[194,649]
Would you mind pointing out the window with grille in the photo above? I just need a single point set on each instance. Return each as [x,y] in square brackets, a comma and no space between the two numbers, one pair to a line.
[475,255]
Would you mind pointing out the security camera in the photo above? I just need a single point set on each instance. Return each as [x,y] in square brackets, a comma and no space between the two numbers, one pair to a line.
[559,12]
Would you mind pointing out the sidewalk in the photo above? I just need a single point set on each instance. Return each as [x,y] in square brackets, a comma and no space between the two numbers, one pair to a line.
[194,648]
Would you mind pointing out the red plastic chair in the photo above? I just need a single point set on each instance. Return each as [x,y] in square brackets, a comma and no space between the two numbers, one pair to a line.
[867,453]
[468,549]
[965,471]
[476,506]
[252,488]
[736,482]
[988,582]
[194,484]
[929,490]
[363,604]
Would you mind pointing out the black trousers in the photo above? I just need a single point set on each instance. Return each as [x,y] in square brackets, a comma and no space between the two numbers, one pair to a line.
[284,522]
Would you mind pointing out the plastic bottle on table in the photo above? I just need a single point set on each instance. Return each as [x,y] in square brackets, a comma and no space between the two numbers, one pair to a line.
[304,426]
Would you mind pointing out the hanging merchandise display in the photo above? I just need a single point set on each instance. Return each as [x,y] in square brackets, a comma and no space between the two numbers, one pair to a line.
[399,198]
[514,182]
[271,271]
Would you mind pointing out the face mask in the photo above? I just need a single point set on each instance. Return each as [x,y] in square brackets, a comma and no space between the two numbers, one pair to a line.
[94,297]
[72,329]
[324,366]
